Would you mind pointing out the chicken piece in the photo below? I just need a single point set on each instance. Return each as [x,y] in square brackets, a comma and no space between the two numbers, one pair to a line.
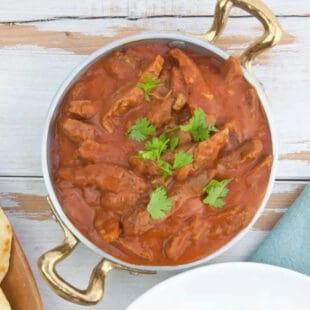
[208,150]
[78,91]
[122,65]
[78,131]
[192,207]
[252,100]
[76,207]
[231,69]
[184,144]
[199,92]
[265,162]
[132,97]
[107,177]
[179,89]
[144,166]
[235,132]
[82,108]
[159,113]
[134,246]
[176,245]
[192,188]
[184,137]
[204,154]
[259,174]
[137,222]
[92,196]
[107,225]
[227,221]
[222,223]
[240,158]
[119,202]
[168,156]
[140,221]
[165,74]
[93,151]
[179,102]
[199,226]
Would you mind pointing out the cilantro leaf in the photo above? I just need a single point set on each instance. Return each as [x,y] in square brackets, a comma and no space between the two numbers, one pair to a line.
[174,141]
[159,203]
[212,128]
[181,159]
[197,126]
[216,191]
[154,148]
[148,86]
[141,129]
[165,167]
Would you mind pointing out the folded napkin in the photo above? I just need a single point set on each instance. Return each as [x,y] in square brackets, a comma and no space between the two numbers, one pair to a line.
[288,244]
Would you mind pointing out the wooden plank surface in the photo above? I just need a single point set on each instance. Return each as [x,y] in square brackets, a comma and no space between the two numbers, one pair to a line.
[35,59]
[16,10]
[25,204]
[42,41]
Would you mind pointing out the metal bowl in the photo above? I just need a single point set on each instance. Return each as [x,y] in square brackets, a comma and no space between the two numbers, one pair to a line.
[48,261]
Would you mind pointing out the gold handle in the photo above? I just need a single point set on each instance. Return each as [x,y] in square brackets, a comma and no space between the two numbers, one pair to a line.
[272,30]
[48,261]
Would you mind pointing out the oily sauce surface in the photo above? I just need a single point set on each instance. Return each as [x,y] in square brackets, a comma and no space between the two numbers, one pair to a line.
[104,187]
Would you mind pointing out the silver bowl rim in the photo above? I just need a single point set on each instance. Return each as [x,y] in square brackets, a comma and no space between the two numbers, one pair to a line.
[73,76]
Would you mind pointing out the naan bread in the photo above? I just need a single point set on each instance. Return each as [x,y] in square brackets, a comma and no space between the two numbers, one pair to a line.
[4,304]
[5,251]
[5,244]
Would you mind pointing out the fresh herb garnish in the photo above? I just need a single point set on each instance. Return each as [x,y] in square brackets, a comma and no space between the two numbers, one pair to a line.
[216,191]
[212,128]
[174,141]
[181,159]
[159,203]
[165,167]
[154,148]
[197,126]
[141,129]
[148,86]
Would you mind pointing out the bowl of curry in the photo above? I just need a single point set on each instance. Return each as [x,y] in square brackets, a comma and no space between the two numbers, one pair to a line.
[158,153]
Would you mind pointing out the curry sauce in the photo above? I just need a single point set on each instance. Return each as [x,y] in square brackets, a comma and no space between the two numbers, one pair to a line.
[105,185]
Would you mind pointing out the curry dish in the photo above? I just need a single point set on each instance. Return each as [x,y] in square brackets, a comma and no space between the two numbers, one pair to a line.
[161,155]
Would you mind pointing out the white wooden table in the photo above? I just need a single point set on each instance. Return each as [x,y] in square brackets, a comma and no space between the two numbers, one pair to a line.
[41,42]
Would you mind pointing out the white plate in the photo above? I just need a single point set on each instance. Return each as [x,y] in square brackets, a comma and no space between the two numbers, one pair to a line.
[230,286]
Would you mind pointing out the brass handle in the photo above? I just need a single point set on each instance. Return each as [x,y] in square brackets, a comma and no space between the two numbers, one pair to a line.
[48,261]
[272,29]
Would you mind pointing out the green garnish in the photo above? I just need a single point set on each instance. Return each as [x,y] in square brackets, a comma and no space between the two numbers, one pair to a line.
[141,129]
[174,141]
[159,203]
[165,167]
[216,191]
[197,126]
[148,86]
[181,159]
[154,148]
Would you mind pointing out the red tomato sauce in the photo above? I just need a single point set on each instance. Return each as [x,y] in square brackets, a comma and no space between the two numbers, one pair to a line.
[104,187]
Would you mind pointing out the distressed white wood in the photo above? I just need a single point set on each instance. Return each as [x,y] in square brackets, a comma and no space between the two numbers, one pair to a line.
[30,74]
[25,10]
[38,235]
[34,62]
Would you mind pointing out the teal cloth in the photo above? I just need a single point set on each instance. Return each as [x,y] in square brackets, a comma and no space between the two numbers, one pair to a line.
[288,244]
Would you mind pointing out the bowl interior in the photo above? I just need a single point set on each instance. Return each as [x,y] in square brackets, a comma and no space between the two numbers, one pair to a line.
[173,40]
